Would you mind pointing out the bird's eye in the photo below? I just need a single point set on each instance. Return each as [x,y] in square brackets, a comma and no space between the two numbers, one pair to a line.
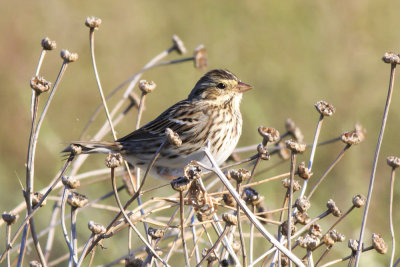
[221,85]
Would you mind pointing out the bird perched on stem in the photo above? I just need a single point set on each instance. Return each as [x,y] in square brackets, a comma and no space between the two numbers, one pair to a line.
[210,113]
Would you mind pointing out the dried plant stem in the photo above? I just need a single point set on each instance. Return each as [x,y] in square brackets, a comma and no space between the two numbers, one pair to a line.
[341,218]
[195,240]
[50,237]
[374,165]
[242,243]
[247,211]
[392,177]
[328,248]
[289,221]
[319,181]
[251,240]
[39,66]
[345,258]
[64,228]
[182,212]
[82,257]
[74,240]
[8,237]
[220,237]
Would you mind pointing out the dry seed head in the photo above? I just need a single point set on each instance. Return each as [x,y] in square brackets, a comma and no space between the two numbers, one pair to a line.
[328,240]
[353,245]
[212,256]
[70,182]
[93,22]
[192,170]
[35,263]
[331,205]
[229,219]
[178,44]
[229,200]
[351,138]
[284,228]
[113,160]
[336,236]
[9,218]
[132,261]
[302,204]
[252,197]
[315,230]
[155,233]
[295,147]
[390,57]
[262,152]
[393,162]
[359,201]
[36,197]
[173,138]
[48,44]
[68,56]
[284,261]
[294,131]
[269,134]
[224,263]
[200,57]
[379,244]
[201,217]
[147,87]
[309,242]
[324,108]
[40,85]
[181,184]
[96,228]
[296,184]
[360,130]
[238,175]
[303,171]
[302,217]
[77,200]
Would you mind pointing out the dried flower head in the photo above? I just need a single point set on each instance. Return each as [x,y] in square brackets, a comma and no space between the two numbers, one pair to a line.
[96,228]
[155,233]
[252,197]
[331,205]
[40,85]
[200,57]
[173,137]
[390,57]
[379,244]
[353,245]
[284,228]
[351,138]
[393,162]
[147,87]
[262,152]
[308,241]
[178,44]
[132,261]
[113,160]
[229,219]
[359,201]
[70,182]
[224,263]
[294,131]
[36,197]
[229,200]
[68,56]
[269,134]
[9,218]
[296,184]
[301,217]
[284,261]
[295,147]
[238,175]
[315,230]
[48,44]
[35,263]
[181,184]
[324,108]
[192,170]
[77,200]
[303,171]
[212,256]
[336,236]
[302,204]
[93,22]
[201,217]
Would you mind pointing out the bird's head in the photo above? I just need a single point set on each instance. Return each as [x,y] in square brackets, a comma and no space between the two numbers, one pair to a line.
[219,87]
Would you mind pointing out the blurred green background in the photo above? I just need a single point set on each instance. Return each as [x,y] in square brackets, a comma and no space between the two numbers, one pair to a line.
[294,53]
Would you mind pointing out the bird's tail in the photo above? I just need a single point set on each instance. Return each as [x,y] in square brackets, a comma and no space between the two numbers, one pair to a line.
[90,147]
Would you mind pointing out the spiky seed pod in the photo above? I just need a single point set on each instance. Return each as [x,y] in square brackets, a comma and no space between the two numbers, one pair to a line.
[331,205]
[178,44]
[173,137]
[192,171]
[113,160]
[147,87]
[302,204]
[303,171]
[391,58]
[200,57]
[359,201]
[40,85]
[48,44]
[324,108]
[379,244]
[296,184]
[229,219]
[70,182]
[393,162]
[96,228]
[295,147]
[238,175]
[269,135]
[68,56]
[181,184]
[302,217]
[351,138]
[10,218]
[155,233]
[93,22]
[77,200]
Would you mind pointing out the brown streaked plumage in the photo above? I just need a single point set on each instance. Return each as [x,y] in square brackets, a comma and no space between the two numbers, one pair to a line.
[211,112]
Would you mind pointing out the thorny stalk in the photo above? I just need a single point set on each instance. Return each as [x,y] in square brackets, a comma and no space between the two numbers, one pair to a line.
[375,164]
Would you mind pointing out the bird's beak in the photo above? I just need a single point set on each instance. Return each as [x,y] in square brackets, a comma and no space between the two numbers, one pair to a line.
[243,87]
